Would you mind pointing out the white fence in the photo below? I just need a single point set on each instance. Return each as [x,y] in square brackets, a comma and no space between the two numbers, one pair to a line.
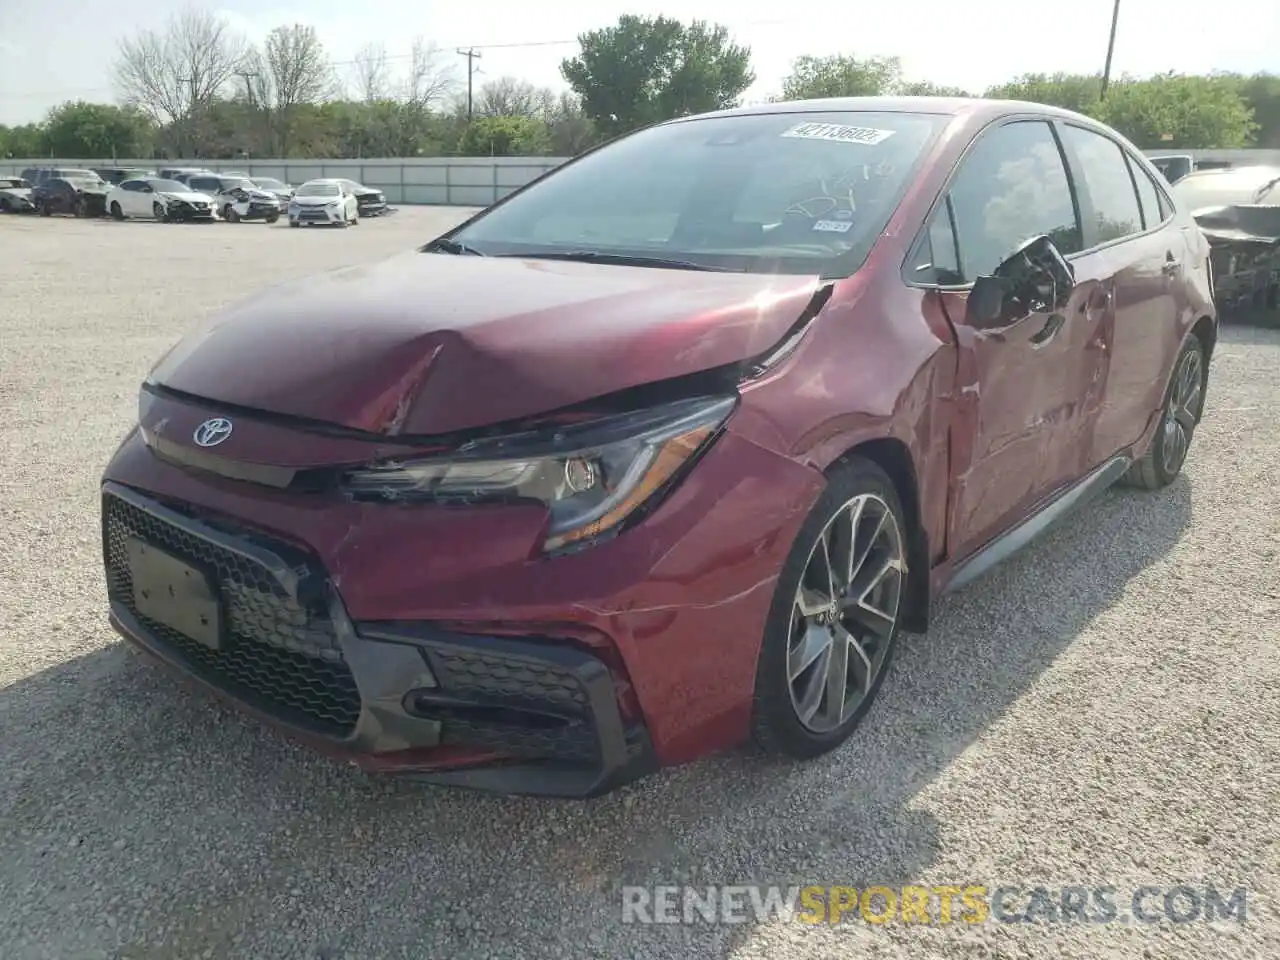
[457,181]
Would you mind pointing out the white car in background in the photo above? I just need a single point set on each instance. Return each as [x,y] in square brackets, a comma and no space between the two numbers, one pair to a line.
[164,200]
[324,201]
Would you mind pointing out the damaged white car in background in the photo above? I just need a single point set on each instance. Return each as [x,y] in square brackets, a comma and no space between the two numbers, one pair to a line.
[324,201]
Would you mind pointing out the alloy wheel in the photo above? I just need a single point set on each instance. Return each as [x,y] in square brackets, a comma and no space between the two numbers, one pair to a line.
[845,612]
[1183,411]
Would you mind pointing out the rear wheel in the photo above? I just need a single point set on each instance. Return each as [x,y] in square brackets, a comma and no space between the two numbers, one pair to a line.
[1183,406]
[834,619]
[43,207]
[116,212]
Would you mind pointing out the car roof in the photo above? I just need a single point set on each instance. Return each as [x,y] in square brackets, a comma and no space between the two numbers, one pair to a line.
[978,108]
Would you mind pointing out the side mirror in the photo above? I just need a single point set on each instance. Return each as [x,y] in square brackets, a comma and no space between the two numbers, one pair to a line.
[1035,279]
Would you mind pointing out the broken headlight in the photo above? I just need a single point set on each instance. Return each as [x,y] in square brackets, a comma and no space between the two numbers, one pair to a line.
[591,476]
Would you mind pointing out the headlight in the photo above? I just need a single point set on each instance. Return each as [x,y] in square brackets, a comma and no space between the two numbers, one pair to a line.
[591,476]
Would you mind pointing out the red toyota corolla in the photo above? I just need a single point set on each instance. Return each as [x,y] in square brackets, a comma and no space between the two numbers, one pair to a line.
[661,452]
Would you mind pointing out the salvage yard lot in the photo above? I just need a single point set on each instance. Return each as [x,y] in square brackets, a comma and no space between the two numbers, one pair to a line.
[1104,709]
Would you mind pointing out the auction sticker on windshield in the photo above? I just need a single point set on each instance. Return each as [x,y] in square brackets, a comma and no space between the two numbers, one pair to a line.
[838,131]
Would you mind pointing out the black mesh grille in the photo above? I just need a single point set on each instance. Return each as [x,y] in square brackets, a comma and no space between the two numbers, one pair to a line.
[280,655]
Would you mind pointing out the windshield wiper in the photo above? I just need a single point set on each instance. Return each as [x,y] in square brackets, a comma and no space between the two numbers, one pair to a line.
[622,260]
[445,245]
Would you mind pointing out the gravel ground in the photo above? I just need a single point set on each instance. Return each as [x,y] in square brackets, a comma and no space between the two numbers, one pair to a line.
[1101,710]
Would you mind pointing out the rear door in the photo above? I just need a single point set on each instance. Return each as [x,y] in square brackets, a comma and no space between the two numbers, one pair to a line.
[1017,436]
[1134,243]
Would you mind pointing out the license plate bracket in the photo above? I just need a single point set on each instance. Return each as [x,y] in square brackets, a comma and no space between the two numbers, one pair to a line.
[175,594]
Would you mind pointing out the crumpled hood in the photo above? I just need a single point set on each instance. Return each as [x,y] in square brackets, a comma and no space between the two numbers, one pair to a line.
[187,196]
[22,193]
[431,343]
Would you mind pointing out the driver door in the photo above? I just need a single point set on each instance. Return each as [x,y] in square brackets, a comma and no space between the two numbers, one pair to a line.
[1017,423]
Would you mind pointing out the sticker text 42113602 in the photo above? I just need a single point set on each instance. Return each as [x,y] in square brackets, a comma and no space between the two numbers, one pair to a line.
[869,136]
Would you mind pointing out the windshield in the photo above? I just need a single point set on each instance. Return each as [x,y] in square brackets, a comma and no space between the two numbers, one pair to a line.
[241,184]
[168,186]
[267,183]
[318,190]
[765,193]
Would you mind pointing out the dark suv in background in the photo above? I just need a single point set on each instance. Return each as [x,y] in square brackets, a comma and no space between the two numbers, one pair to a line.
[79,192]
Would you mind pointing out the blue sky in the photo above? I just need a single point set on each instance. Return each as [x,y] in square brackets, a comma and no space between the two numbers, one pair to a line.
[973,43]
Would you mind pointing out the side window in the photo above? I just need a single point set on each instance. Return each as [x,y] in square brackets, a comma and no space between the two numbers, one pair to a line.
[1012,186]
[133,186]
[1106,177]
[1148,195]
[203,183]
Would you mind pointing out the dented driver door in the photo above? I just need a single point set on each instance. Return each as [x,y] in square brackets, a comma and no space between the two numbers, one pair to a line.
[1017,434]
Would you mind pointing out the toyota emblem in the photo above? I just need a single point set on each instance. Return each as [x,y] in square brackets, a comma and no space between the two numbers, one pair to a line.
[212,432]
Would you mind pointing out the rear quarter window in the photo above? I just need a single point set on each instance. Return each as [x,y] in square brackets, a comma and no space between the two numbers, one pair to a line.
[1105,171]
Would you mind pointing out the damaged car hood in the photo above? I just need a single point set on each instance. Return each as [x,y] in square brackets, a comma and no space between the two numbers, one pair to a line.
[1241,223]
[427,344]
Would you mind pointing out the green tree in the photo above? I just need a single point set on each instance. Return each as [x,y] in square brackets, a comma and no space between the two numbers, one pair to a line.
[505,137]
[1175,111]
[1071,91]
[648,69]
[22,142]
[841,76]
[89,130]
[927,88]
[1262,93]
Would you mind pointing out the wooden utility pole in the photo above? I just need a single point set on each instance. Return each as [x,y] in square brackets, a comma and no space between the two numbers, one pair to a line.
[248,76]
[1111,49]
[472,55]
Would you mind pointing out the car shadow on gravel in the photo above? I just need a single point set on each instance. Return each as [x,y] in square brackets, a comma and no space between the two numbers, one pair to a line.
[146,821]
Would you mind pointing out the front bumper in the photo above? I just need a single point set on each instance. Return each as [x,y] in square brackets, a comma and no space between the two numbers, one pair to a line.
[262,211]
[371,207]
[316,215]
[674,608]
[513,715]
[189,211]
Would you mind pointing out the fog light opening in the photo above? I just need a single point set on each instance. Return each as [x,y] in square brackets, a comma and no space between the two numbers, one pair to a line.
[429,705]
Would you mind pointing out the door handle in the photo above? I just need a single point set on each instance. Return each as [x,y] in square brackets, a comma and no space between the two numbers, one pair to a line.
[1049,330]
[1171,265]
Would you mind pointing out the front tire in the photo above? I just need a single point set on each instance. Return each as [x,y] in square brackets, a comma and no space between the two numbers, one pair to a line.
[229,214]
[160,212]
[116,212]
[1183,407]
[830,633]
